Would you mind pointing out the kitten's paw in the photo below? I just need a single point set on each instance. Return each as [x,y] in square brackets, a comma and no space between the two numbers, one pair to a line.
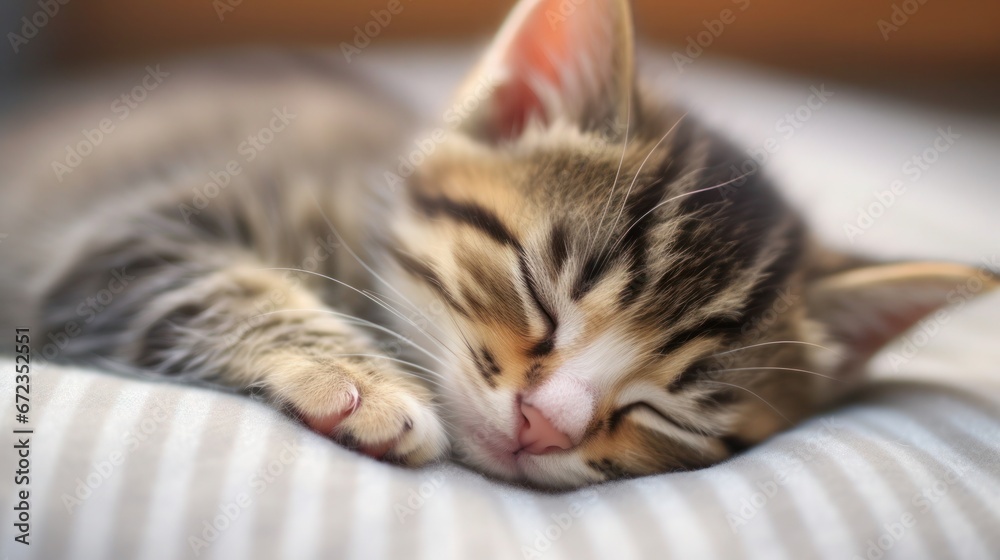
[364,405]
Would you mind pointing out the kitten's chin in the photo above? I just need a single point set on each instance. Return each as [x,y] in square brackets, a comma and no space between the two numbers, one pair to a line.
[487,444]
[494,455]
[499,459]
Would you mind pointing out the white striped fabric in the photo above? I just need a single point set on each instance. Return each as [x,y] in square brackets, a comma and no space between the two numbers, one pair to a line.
[129,469]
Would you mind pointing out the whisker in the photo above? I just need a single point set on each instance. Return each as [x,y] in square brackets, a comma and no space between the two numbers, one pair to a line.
[433,338]
[391,359]
[351,251]
[673,198]
[778,368]
[614,185]
[373,272]
[365,322]
[635,177]
[458,329]
[392,300]
[363,293]
[402,304]
[777,342]
[754,394]
[372,295]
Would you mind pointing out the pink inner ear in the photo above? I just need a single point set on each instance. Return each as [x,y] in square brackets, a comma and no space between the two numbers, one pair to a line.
[536,53]
[890,324]
[514,103]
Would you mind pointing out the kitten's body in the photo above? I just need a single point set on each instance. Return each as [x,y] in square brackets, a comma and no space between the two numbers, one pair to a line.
[590,292]
[177,208]
[161,155]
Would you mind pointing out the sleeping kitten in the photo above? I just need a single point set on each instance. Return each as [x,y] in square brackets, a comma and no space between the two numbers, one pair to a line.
[567,286]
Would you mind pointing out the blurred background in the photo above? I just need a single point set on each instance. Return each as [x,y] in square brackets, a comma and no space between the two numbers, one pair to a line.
[939,51]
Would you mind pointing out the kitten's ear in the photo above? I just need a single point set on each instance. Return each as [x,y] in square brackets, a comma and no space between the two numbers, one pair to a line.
[553,60]
[864,308]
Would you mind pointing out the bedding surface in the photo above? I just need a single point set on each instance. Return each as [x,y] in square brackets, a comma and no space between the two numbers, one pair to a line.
[124,468]
[127,469]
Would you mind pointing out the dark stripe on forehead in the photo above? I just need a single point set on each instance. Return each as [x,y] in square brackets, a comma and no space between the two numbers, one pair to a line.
[485,273]
[558,247]
[424,272]
[723,233]
[468,213]
[713,326]
[630,240]
[595,268]
[640,209]
[747,204]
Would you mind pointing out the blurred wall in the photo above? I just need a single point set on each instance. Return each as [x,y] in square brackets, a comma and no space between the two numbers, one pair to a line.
[10,62]
[947,39]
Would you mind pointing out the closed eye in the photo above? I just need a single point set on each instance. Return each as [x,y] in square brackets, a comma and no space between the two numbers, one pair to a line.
[550,320]
[642,405]
[547,343]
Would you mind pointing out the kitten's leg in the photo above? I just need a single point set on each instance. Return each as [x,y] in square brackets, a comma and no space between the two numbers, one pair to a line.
[247,326]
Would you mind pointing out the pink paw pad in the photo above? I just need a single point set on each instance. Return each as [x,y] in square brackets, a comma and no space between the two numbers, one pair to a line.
[327,424]
[377,451]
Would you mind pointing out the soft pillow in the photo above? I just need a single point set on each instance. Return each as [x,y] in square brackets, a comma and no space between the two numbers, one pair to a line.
[123,468]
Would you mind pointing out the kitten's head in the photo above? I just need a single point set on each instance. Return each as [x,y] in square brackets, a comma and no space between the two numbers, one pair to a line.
[605,296]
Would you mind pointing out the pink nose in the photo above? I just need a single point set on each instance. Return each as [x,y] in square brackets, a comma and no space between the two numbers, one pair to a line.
[538,435]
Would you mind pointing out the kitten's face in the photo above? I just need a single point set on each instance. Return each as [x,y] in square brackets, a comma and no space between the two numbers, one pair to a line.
[605,297]
[601,303]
